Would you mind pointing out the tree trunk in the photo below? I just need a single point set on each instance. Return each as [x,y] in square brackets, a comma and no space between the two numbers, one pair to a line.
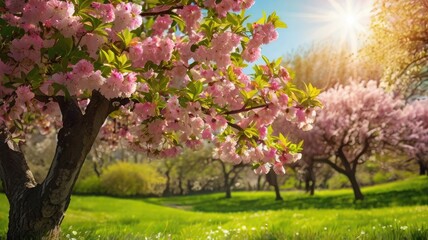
[189,186]
[29,220]
[272,179]
[259,185]
[312,187]
[167,190]
[422,167]
[180,186]
[36,210]
[227,185]
[355,186]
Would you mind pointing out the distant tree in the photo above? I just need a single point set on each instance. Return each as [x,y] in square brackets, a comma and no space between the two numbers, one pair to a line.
[415,133]
[356,120]
[160,74]
[191,171]
[325,65]
[230,176]
[399,42]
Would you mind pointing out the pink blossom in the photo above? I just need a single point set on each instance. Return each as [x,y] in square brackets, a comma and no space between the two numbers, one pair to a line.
[263,132]
[278,168]
[191,15]
[27,48]
[145,111]
[161,24]
[127,15]
[83,68]
[92,42]
[24,94]
[251,53]
[263,169]
[105,11]
[207,134]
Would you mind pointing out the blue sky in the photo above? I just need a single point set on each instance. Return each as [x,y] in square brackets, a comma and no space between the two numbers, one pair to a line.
[300,31]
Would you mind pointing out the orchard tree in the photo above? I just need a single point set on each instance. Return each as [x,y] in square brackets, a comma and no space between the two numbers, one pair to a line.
[324,65]
[356,121]
[415,133]
[159,74]
[399,42]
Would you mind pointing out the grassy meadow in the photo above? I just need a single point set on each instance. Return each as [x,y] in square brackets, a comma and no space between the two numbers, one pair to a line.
[391,211]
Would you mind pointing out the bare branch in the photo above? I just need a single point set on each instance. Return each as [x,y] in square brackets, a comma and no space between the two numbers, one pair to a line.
[330,163]
[246,109]
[168,11]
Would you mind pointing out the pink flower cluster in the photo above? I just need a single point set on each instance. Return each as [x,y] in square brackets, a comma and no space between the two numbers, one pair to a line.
[23,97]
[26,51]
[262,34]
[191,14]
[228,5]
[127,15]
[161,24]
[154,49]
[53,13]
[119,85]
[222,45]
[82,78]
[189,124]
[415,129]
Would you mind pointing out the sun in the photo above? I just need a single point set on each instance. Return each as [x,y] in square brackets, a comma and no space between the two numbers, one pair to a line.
[346,21]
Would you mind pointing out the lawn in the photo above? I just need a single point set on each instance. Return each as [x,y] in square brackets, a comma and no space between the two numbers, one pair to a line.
[392,211]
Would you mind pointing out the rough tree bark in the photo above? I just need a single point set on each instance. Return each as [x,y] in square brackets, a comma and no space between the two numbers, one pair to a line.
[37,210]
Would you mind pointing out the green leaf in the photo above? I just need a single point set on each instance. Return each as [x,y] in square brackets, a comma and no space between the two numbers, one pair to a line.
[194,89]
[126,36]
[35,77]
[280,24]
[262,20]
[107,56]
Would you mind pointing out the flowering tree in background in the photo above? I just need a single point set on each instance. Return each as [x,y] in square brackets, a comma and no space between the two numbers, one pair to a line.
[399,42]
[415,133]
[357,120]
[158,74]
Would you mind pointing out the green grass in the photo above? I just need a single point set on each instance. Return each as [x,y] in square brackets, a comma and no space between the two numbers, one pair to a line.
[409,192]
[392,211]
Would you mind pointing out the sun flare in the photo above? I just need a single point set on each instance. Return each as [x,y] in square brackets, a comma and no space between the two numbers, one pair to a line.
[343,20]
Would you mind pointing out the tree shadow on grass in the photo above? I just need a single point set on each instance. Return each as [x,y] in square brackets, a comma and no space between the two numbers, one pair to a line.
[260,202]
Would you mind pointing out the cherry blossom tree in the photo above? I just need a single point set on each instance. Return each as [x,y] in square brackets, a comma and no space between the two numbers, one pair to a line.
[357,120]
[158,74]
[414,140]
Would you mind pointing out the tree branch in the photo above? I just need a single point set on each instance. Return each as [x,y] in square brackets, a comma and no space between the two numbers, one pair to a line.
[14,171]
[360,154]
[236,126]
[168,11]
[75,140]
[330,163]
[246,109]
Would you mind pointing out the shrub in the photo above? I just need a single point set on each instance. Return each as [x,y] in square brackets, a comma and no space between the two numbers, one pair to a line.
[129,179]
[338,181]
[382,177]
[89,185]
